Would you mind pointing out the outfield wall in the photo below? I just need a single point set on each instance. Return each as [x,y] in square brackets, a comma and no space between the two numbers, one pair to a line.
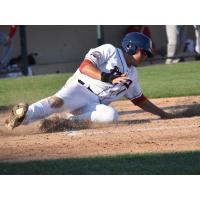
[63,47]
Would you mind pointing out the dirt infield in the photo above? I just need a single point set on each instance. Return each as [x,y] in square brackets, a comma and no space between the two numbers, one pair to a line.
[136,132]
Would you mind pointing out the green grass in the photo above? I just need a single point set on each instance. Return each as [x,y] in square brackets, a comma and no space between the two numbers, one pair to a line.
[184,163]
[29,89]
[156,81]
[182,79]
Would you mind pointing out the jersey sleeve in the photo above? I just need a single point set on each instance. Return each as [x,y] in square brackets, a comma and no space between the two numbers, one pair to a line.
[134,91]
[101,54]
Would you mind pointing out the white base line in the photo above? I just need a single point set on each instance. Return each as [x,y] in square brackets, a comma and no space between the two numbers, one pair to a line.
[167,128]
[75,132]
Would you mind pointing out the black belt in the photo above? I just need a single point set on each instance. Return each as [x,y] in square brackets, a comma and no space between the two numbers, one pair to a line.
[82,83]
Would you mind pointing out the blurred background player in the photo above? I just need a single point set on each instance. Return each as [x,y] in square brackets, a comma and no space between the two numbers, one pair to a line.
[13,66]
[178,44]
[176,36]
[6,45]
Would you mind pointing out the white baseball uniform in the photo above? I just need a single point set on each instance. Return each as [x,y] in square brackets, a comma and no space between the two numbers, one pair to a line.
[88,98]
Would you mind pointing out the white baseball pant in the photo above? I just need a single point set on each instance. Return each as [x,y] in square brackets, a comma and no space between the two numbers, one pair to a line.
[197,34]
[78,100]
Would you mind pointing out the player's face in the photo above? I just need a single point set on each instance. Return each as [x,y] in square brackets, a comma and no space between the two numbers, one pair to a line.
[140,56]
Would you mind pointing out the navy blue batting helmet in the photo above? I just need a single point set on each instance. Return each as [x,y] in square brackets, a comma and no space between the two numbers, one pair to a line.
[134,41]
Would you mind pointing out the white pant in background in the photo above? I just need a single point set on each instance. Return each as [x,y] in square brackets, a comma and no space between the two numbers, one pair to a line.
[176,36]
[197,34]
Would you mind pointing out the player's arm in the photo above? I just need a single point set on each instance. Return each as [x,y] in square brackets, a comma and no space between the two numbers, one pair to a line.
[89,69]
[148,106]
[13,29]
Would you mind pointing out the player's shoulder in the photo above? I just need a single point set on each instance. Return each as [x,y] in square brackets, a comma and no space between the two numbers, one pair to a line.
[109,47]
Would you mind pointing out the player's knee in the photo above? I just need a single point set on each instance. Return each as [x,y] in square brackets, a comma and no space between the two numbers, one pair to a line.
[55,102]
[111,115]
[105,114]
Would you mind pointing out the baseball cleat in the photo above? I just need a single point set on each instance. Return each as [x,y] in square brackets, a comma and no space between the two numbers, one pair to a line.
[17,116]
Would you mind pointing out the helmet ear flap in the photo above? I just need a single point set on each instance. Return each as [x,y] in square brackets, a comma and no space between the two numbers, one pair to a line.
[131,48]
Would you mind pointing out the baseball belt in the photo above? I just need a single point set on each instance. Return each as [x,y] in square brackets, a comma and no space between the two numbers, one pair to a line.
[85,85]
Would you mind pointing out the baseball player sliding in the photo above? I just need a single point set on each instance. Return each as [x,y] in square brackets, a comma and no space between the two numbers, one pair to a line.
[106,74]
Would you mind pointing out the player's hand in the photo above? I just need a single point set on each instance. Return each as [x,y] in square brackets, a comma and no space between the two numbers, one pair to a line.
[121,79]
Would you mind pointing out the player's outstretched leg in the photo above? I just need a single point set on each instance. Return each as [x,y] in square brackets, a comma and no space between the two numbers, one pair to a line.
[24,114]
[17,115]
